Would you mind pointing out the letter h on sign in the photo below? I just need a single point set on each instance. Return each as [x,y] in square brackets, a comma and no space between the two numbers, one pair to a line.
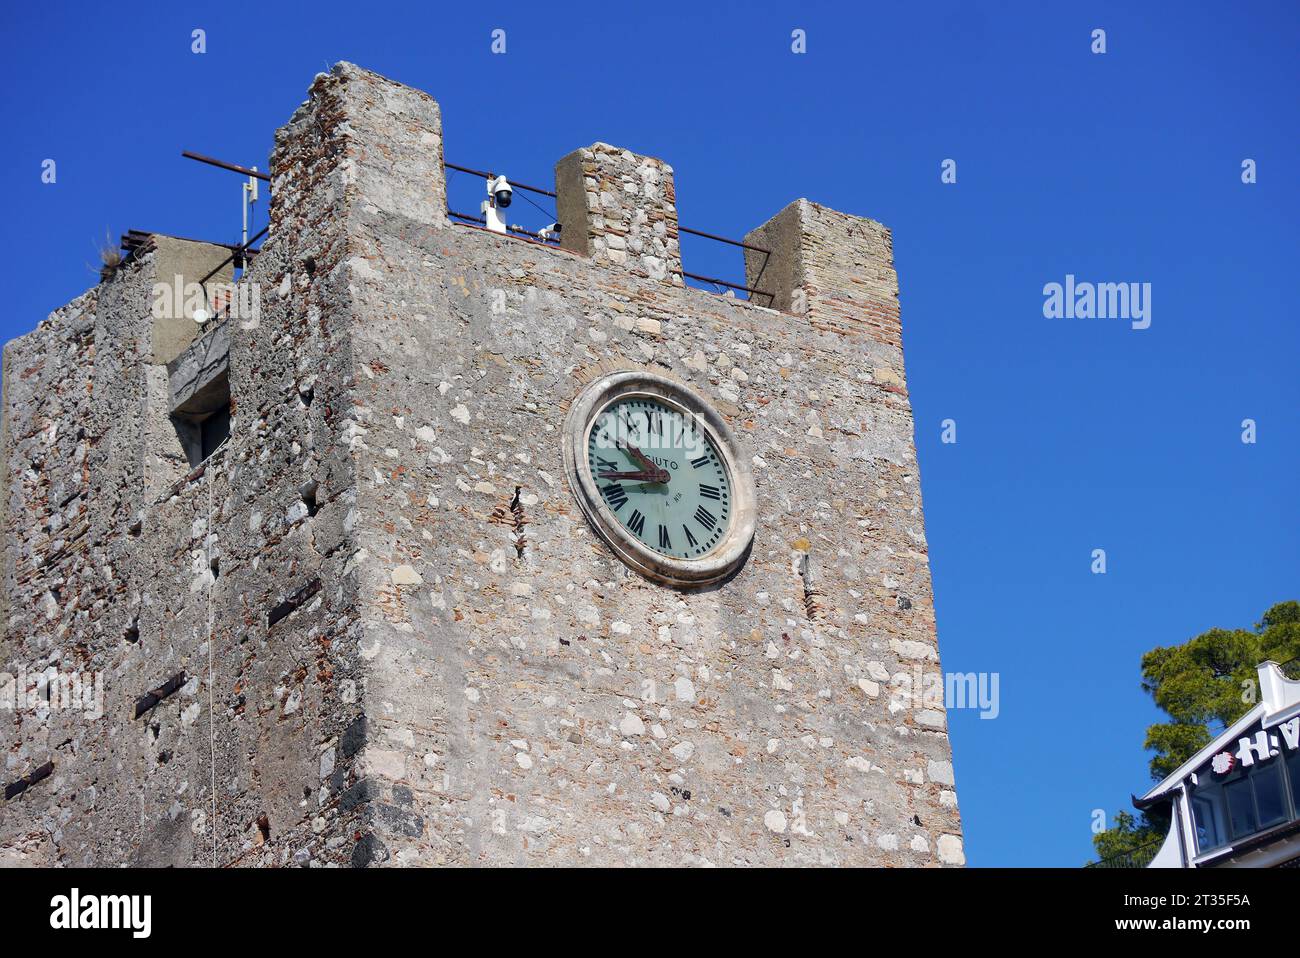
[1248,750]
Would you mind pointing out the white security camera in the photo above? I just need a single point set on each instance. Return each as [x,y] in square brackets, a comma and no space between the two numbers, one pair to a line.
[548,232]
[499,192]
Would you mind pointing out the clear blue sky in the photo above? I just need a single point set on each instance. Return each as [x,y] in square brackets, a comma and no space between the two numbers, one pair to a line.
[1072,434]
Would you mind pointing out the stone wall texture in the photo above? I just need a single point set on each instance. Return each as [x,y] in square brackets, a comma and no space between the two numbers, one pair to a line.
[398,640]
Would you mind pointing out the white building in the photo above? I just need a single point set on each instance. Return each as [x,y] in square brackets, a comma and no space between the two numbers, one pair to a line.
[1236,802]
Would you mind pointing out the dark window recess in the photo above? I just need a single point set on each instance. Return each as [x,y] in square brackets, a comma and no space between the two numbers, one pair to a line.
[203,421]
[213,431]
[1209,831]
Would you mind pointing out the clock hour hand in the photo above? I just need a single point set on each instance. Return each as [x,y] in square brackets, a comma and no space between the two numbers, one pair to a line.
[661,475]
[658,475]
[642,474]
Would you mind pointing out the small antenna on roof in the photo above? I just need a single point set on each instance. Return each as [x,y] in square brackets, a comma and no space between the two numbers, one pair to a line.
[249,198]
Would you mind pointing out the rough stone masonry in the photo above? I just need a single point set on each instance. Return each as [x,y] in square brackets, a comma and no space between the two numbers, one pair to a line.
[372,627]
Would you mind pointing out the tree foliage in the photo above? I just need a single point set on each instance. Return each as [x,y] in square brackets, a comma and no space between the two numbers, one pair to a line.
[1119,844]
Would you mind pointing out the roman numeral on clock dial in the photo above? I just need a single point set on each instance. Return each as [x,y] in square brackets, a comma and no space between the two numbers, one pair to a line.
[615,496]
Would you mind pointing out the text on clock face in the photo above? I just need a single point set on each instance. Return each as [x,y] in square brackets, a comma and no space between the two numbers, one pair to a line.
[660,474]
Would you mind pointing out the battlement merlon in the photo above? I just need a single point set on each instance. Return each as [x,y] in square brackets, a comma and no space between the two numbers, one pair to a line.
[359,135]
[835,268]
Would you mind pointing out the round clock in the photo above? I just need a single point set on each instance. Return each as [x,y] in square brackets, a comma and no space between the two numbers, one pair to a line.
[658,473]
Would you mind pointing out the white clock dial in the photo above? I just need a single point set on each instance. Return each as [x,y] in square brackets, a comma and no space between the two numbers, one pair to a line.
[661,476]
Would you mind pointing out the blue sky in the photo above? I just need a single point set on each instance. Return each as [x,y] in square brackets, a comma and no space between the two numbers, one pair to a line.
[1072,434]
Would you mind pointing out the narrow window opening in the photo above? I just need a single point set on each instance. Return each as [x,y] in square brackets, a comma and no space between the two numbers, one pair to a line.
[203,422]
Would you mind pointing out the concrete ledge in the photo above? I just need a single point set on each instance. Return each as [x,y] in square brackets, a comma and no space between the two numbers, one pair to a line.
[198,376]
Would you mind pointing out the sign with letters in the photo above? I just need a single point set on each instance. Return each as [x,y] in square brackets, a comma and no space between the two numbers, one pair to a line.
[1260,747]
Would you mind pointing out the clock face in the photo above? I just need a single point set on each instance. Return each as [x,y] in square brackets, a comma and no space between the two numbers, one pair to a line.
[661,475]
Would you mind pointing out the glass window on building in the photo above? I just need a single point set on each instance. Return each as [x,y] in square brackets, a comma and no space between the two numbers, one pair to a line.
[1293,772]
[1270,800]
[1241,808]
[1209,827]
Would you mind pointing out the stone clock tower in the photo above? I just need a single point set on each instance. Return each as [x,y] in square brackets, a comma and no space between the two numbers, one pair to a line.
[396,616]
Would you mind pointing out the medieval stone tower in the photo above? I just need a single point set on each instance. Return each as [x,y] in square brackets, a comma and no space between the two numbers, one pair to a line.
[345,594]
